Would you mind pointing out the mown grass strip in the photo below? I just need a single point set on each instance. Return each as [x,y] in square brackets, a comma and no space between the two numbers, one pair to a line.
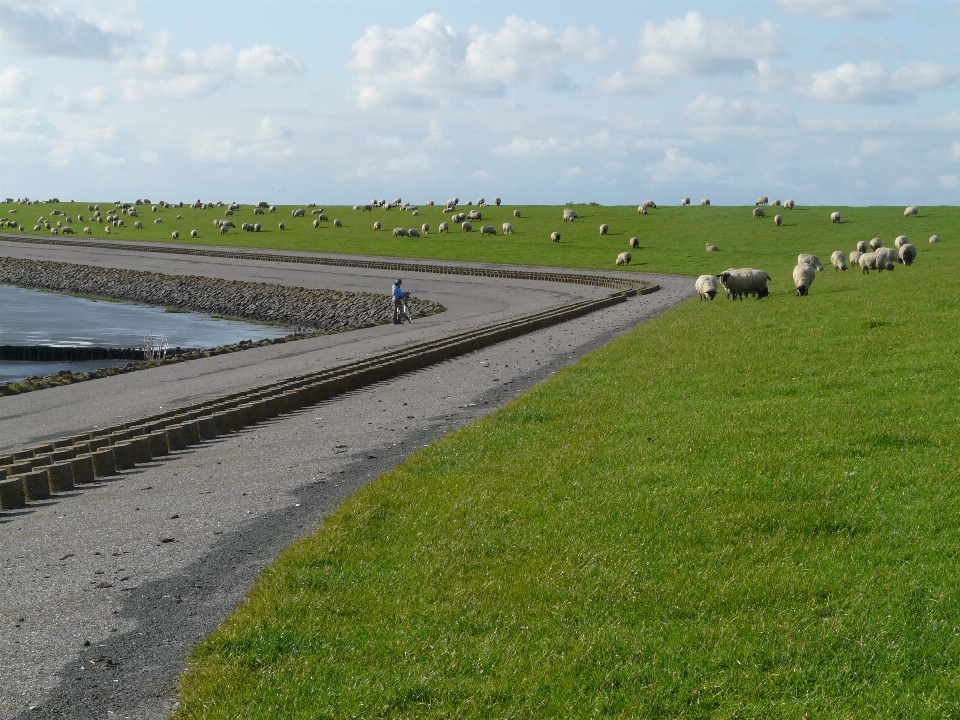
[743,510]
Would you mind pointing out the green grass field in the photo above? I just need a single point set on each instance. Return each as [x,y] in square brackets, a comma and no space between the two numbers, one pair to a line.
[738,510]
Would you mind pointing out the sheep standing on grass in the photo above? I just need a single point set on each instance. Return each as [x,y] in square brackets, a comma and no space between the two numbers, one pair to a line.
[175,235]
[642,210]
[891,254]
[604,229]
[912,210]
[283,226]
[712,248]
[487,230]
[88,231]
[138,225]
[624,258]
[443,227]
[516,213]
[316,224]
[569,215]
[908,253]
[106,229]
[775,203]
[778,219]
[399,232]
[555,236]
[862,246]
[705,201]
[803,276]
[762,200]
[650,204]
[298,212]
[194,233]
[872,261]
[855,258]
[377,225]
[684,201]
[788,204]
[758,212]
[835,217]
[876,243]
[507,229]
[839,260]
[634,242]
[466,226]
[707,287]
[745,281]
[900,240]
[425,228]
[934,239]
[413,232]
[810,260]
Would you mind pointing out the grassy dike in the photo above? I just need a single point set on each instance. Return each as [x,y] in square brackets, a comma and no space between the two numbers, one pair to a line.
[745,510]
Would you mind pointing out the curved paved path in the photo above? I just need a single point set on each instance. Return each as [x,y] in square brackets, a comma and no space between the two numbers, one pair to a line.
[91,566]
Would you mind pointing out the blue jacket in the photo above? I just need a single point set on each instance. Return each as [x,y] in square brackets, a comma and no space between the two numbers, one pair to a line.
[398,293]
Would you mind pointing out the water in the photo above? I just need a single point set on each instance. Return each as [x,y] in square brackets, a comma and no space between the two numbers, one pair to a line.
[31,317]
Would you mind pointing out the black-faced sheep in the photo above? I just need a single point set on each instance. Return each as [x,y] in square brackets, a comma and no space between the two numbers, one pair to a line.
[707,287]
[758,212]
[516,213]
[604,229]
[712,248]
[634,243]
[912,210]
[705,201]
[778,219]
[624,258]
[810,260]
[839,260]
[507,229]
[803,276]
[745,281]
[835,217]
[555,236]
[378,225]
[908,253]
[863,247]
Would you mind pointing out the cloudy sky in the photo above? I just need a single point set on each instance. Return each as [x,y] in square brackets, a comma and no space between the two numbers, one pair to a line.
[826,101]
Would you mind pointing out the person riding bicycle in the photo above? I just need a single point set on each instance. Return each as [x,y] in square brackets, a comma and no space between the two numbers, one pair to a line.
[398,297]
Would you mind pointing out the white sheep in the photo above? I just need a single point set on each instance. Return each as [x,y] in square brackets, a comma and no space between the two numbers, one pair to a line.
[175,235]
[413,232]
[634,242]
[873,261]
[475,215]
[855,258]
[158,221]
[318,211]
[810,260]
[283,226]
[876,243]
[704,201]
[273,208]
[778,219]
[775,203]
[106,229]
[745,281]
[466,226]
[337,223]
[650,204]
[862,246]
[399,232]
[569,215]
[908,253]
[257,227]
[712,248]
[934,239]
[555,236]
[415,213]
[316,224]
[839,260]
[377,225]
[298,212]
[443,227]
[835,217]
[425,228]
[758,212]
[707,287]
[507,229]
[891,254]
[803,276]
[138,225]
[88,231]
[642,210]
[912,210]
[516,213]
[900,240]
[624,258]
[487,230]
[762,200]
[684,201]
[604,229]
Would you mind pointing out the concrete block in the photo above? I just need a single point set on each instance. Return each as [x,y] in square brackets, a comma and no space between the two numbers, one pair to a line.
[23,454]
[39,460]
[123,456]
[158,443]
[207,427]
[176,438]
[192,432]
[141,449]
[60,477]
[20,467]
[3,473]
[6,460]
[103,463]
[11,494]
[82,466]
[36,486]
[63,454]
[96,443]
[63,443]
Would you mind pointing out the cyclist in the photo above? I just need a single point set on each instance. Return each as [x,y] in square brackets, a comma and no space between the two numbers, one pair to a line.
[398,295]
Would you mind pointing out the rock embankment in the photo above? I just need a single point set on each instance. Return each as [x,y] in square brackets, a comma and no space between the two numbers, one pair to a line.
[297,307]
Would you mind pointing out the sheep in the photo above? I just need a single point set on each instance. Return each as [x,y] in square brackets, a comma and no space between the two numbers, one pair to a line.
[138,225]
[712,248]
[158,221]
[106,229]
[56,231]
[516,213]
[431,203]
[469,202]
[649,204]
[900,240]
[745,281]
[855,258]
[862,246]
[377,225]
[399,232]
[810,260]
[322,218]
[705,201]
[257,227]
[88,231]
[569,215]
[497,201]
[449,209]
[273,208]
[474,215]
[762,200]
[180,217]
[337,223]
[256,211]
[604,229]
[835,217]
[413,232]
[876,243]
[891,255]
[459,218]
[415,213]
[194,233]
[555,236]
[624,258]
[507,229]
[316,224]
[642,210]
[872,261]
[758,213]
[908,253]
[366,208]
[443,227]
[912,210]
[425,228]
[317,211]
[684,201]
[224,229]
[706,287]
[228,213]
[934,239]
[247,227]
[153,208]
[298,212]
[839,260]
[487,230]
[67,230]
[175,235]
[803,277]
[467,226]
[778,219]
[283,226]
[775,203]
[634,242]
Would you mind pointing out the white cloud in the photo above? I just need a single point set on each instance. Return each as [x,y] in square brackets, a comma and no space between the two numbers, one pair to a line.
[148,156]
[16,85]
[842,10]
[269,129]
[717,110]
[52,28]
[429,61]
[482,174]
[949,182]
[523,147]
[677,165]
[955,148]
[619,83]
[266,61]
[696,45]
[869,45]
[870,82]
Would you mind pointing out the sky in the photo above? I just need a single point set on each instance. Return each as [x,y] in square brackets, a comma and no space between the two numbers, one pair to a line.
[828,102]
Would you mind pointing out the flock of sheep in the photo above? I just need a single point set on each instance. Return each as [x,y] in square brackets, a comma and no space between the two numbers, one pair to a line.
[869,255]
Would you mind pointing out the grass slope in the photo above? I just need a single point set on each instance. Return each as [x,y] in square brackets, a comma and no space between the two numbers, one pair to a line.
[672,238]
[743,510]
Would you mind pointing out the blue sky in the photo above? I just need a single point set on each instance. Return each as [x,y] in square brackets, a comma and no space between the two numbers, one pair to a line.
[824,101]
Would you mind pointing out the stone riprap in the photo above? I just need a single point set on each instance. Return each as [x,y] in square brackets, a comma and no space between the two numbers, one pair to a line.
[299,307]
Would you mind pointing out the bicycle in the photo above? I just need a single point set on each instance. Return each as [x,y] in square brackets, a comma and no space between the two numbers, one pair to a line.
[401,311]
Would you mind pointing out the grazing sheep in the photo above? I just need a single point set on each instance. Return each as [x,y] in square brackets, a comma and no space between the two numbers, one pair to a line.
[443,227]
[224,229]
[467,226]
[762,200]
[487,230]
[712,248]
[855,258]
[569,215]
[469,202]
[459,218]
[745,281]
[138,225]
[810,260]
[876,243]
[377,225]
[425,228]
[194,233]
[707,287]
[642,210]
[516,213]
[175,235]
[481,202]
[317,211]
[56,231]
[399,232]
[604,229]
[497,201]
[934,239]
[369,208]
[873,261]
[337,223]
[228,213]
[256,211]
[67,230]
[900,240]
[507,229]
[316,224]
[106,229]
[863,247]
[650,204]
[775,203]
[474,215]
[803,277]
[413,232]
[180,217]
[283,226]
[430,203]
[634,242]
[257,227]
[778,219]
[912,210]
[415,213]
[891,254]
[273,208]
[908,253]
[684,201]
[323,218]
[555,236]
[246,227]
[758,212]
[704,201]
[86,231]
[624,258]
[835,217]
[153,208]
[158,221]
[839,260]
[298,212]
